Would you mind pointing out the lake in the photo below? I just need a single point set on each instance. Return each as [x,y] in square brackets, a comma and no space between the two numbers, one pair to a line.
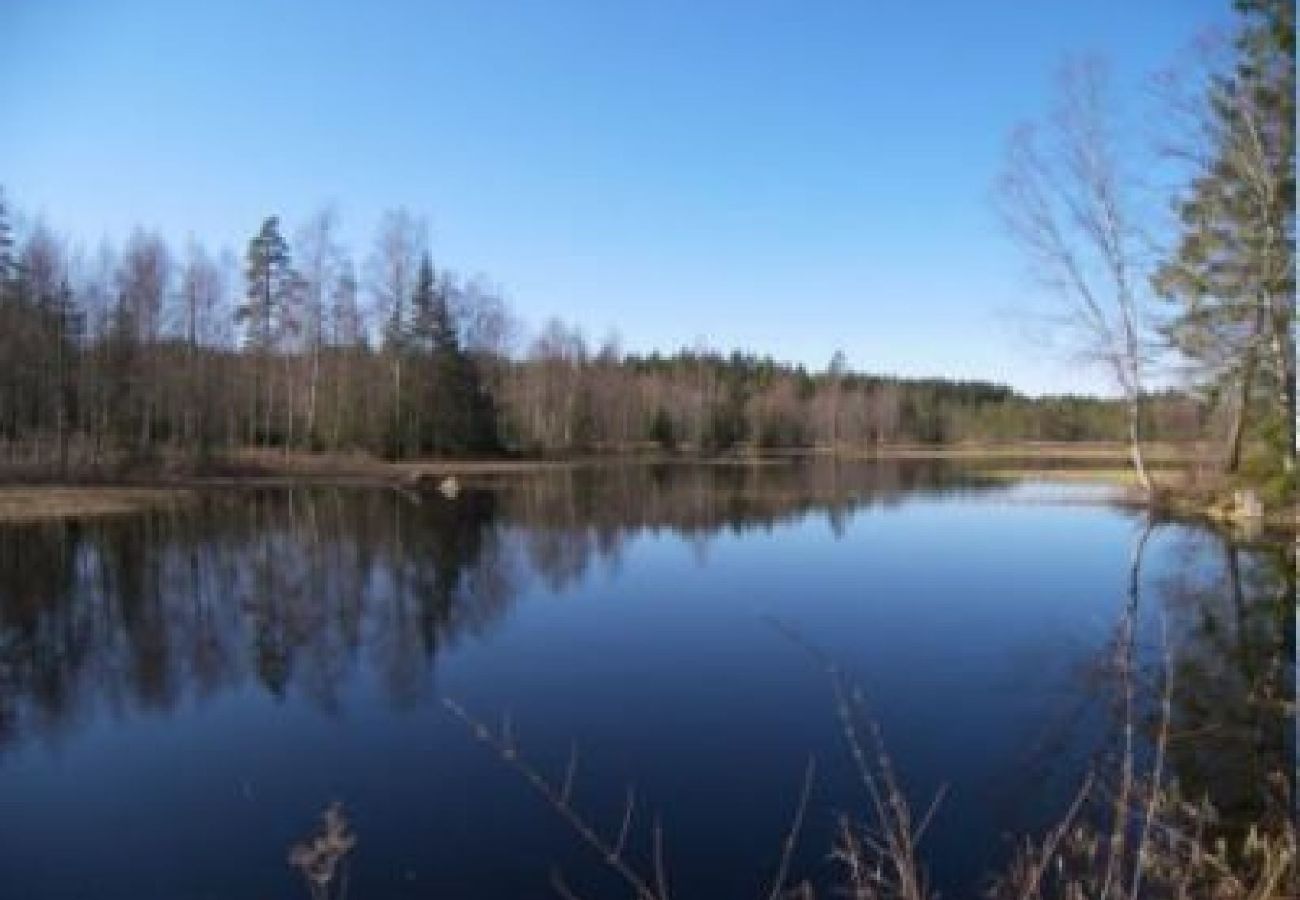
[183,691]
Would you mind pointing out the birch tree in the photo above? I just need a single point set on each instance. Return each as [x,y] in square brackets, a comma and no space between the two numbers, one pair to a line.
[393,268]
[320,266]
[1071,204]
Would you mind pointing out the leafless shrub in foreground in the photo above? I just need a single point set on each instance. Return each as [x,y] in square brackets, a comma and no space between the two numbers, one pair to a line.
[612,849]
[880,861]
[1180,858]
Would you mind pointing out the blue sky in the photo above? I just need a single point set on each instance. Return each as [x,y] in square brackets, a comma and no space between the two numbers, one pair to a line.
[789,177]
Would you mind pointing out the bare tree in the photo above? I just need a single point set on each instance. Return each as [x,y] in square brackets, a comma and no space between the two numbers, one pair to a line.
[347,336]
[1070,203]
[320,267]
[203,287]
[399,245]
[552,385]
[144,279]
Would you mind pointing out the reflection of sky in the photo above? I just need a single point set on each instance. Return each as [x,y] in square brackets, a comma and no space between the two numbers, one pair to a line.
[965,619]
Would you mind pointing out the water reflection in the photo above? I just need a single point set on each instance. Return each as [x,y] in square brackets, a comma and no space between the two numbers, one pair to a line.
[293,589]
[1218,619]
[294,597]
[1233,627]
[286,589]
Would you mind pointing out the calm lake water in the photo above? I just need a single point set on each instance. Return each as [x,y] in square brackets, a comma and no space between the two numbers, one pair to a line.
[182,692]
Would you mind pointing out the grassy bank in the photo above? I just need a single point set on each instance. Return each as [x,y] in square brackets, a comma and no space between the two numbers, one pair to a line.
[121,485]
[1092,453]
[1180,494]
[45,502]
[169,466]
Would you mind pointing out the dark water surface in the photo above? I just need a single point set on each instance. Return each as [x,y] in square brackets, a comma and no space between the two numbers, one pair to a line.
[183,691]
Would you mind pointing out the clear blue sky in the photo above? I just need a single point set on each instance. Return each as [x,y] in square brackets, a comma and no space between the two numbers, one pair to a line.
[790,177]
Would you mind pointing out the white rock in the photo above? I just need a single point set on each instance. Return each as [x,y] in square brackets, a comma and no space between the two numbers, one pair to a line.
[449,487]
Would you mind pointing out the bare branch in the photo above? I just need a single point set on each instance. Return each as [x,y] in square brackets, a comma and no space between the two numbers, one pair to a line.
[792,835]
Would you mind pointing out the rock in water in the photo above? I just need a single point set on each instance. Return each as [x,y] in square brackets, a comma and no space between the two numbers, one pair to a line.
[1247,504]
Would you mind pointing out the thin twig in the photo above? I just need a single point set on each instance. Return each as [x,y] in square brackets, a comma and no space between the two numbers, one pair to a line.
[1157,766]
[792,836]
[1030,888]
[610,852]
[661,871]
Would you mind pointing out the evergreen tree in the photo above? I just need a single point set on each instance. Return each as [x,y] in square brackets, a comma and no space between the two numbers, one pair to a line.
[270,279]
[460,416]
[662,431]
[265,312]
[1233,271]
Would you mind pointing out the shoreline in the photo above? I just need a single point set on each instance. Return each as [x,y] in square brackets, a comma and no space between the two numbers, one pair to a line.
[31,500]
[32,504]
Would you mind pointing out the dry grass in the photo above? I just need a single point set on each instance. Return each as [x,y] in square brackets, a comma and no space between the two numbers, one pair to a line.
[45,503]
[1125,478]
[361,465]
[322,858]
[1044,451]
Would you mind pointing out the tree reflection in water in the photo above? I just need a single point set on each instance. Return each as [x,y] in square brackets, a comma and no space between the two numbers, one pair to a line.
[294,588]
[286,588]
[1233,629]
[297,590]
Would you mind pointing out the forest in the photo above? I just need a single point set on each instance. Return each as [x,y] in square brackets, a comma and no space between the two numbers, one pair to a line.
[109,357]
[117,355]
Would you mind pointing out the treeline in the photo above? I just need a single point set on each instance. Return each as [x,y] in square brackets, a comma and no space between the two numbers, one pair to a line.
[120,353]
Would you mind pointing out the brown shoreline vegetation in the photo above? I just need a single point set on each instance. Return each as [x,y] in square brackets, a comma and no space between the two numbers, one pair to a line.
[33,494]
[38,503]
[1182,489]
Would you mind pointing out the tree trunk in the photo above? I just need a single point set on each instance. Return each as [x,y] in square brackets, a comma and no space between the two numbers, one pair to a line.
[1284,355]
[288,402]
[311,391]
[397,405]
[1135,443]
[340,370]
[270,405]
[1232,460]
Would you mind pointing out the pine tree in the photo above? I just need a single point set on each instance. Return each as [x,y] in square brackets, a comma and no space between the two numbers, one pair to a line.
[459,415]
[661,430]
[1233,272]
[424,300]
[270,280]
[265,311]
